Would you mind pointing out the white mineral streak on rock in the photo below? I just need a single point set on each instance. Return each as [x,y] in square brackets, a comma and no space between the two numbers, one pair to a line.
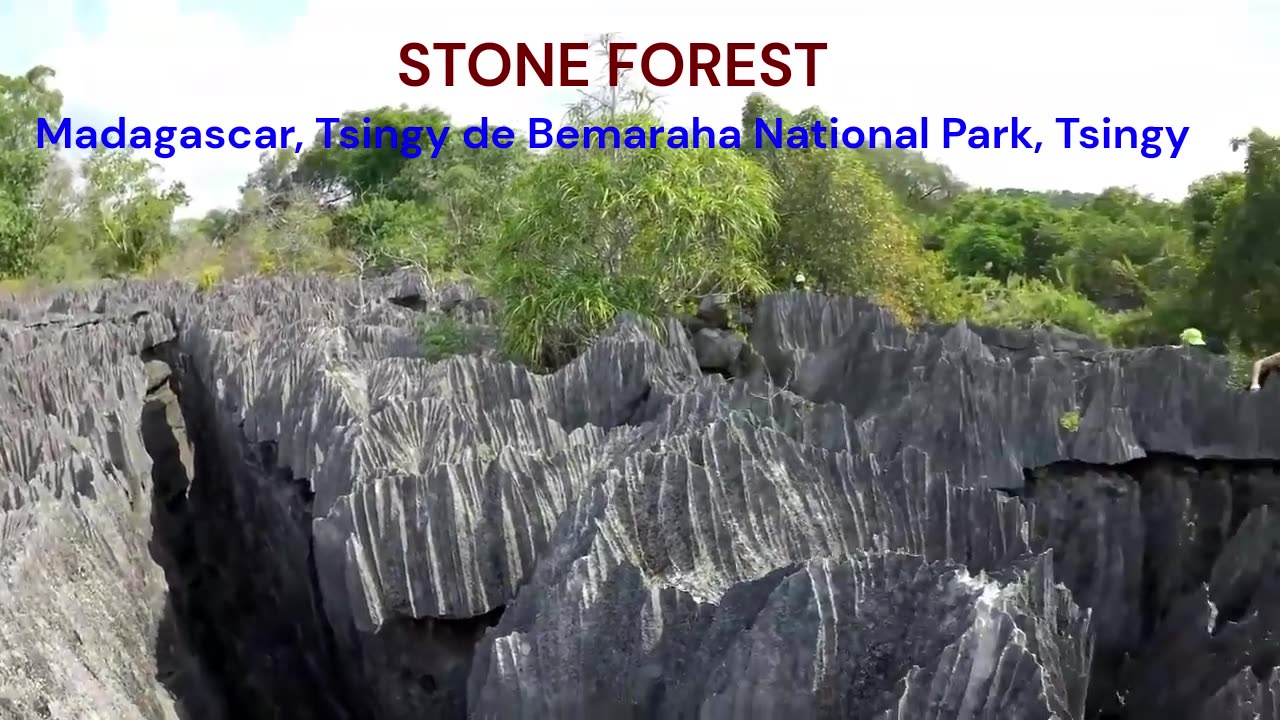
[658,543]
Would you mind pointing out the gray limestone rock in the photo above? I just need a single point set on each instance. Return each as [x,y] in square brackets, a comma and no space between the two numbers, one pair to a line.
[270,500]
[717,350]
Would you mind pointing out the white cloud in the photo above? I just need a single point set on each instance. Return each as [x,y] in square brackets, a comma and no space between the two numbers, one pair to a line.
[1177,63]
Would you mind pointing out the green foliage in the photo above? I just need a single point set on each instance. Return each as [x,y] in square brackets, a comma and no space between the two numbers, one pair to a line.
[1124,244]
[275,179]
[393,233]
[1115,263]
[444,338]
[218,224]
[1057,199]
[568,240]
[759,106]
[1208,204]
[287,235]
[984,250]
[23,99]
[559,312]
[209,277]
[296,239]
[335,172]
[1241,278]
[474,199]
[600,232]
[1015,234]
[439,214]
[130,216]
[1032,303]
[1070,420]
[840,226]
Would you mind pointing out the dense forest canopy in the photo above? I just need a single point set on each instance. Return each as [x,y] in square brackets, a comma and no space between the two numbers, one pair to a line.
[567,239]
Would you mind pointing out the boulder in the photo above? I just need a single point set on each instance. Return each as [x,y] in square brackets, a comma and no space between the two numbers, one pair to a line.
[717,350]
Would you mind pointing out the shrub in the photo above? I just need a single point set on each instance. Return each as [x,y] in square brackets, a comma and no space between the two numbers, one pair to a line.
[1033,303]
[208,277]
[983,250]
[443,338]
[601,232]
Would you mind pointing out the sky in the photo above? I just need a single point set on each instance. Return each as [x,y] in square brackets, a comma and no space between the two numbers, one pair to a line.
[1210,66]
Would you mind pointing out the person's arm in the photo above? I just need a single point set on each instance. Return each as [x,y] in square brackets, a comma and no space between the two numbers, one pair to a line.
[1265,363]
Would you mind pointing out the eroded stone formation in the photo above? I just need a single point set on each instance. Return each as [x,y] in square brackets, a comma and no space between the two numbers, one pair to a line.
[272,500]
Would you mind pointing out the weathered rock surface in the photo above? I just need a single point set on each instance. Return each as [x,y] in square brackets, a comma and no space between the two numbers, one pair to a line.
[270,501]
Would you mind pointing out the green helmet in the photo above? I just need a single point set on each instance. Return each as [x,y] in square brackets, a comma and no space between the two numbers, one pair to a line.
[1192,336]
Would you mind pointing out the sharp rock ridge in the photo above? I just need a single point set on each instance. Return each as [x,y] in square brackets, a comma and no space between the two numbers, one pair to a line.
[268,495]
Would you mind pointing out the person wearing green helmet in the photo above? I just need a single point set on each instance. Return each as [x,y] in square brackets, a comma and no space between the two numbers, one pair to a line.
[1192,336]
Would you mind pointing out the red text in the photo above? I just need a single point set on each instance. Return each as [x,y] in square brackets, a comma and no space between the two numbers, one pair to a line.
[660,64]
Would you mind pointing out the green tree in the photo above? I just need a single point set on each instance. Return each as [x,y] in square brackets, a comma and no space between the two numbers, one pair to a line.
[592,232]
[468,195]
[758,106]
[392,233]
[274,179]
[1241,277]
[1029,302]
[1207,206]
[389,208]
[599,232]
[1057,199]
[981,249]
[991,224]
[23,164]
[217,225]
[335,173]
[129,214]
[1128,247]
[65,247]
[839,224]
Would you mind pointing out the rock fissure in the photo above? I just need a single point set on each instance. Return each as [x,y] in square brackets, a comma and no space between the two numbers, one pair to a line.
[1187,525]
[267,501]
[242,616]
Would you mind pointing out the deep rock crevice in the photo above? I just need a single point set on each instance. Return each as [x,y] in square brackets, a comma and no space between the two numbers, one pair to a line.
[265,501]
[1140,542]
[190,672]
[245,635]
[241,575]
